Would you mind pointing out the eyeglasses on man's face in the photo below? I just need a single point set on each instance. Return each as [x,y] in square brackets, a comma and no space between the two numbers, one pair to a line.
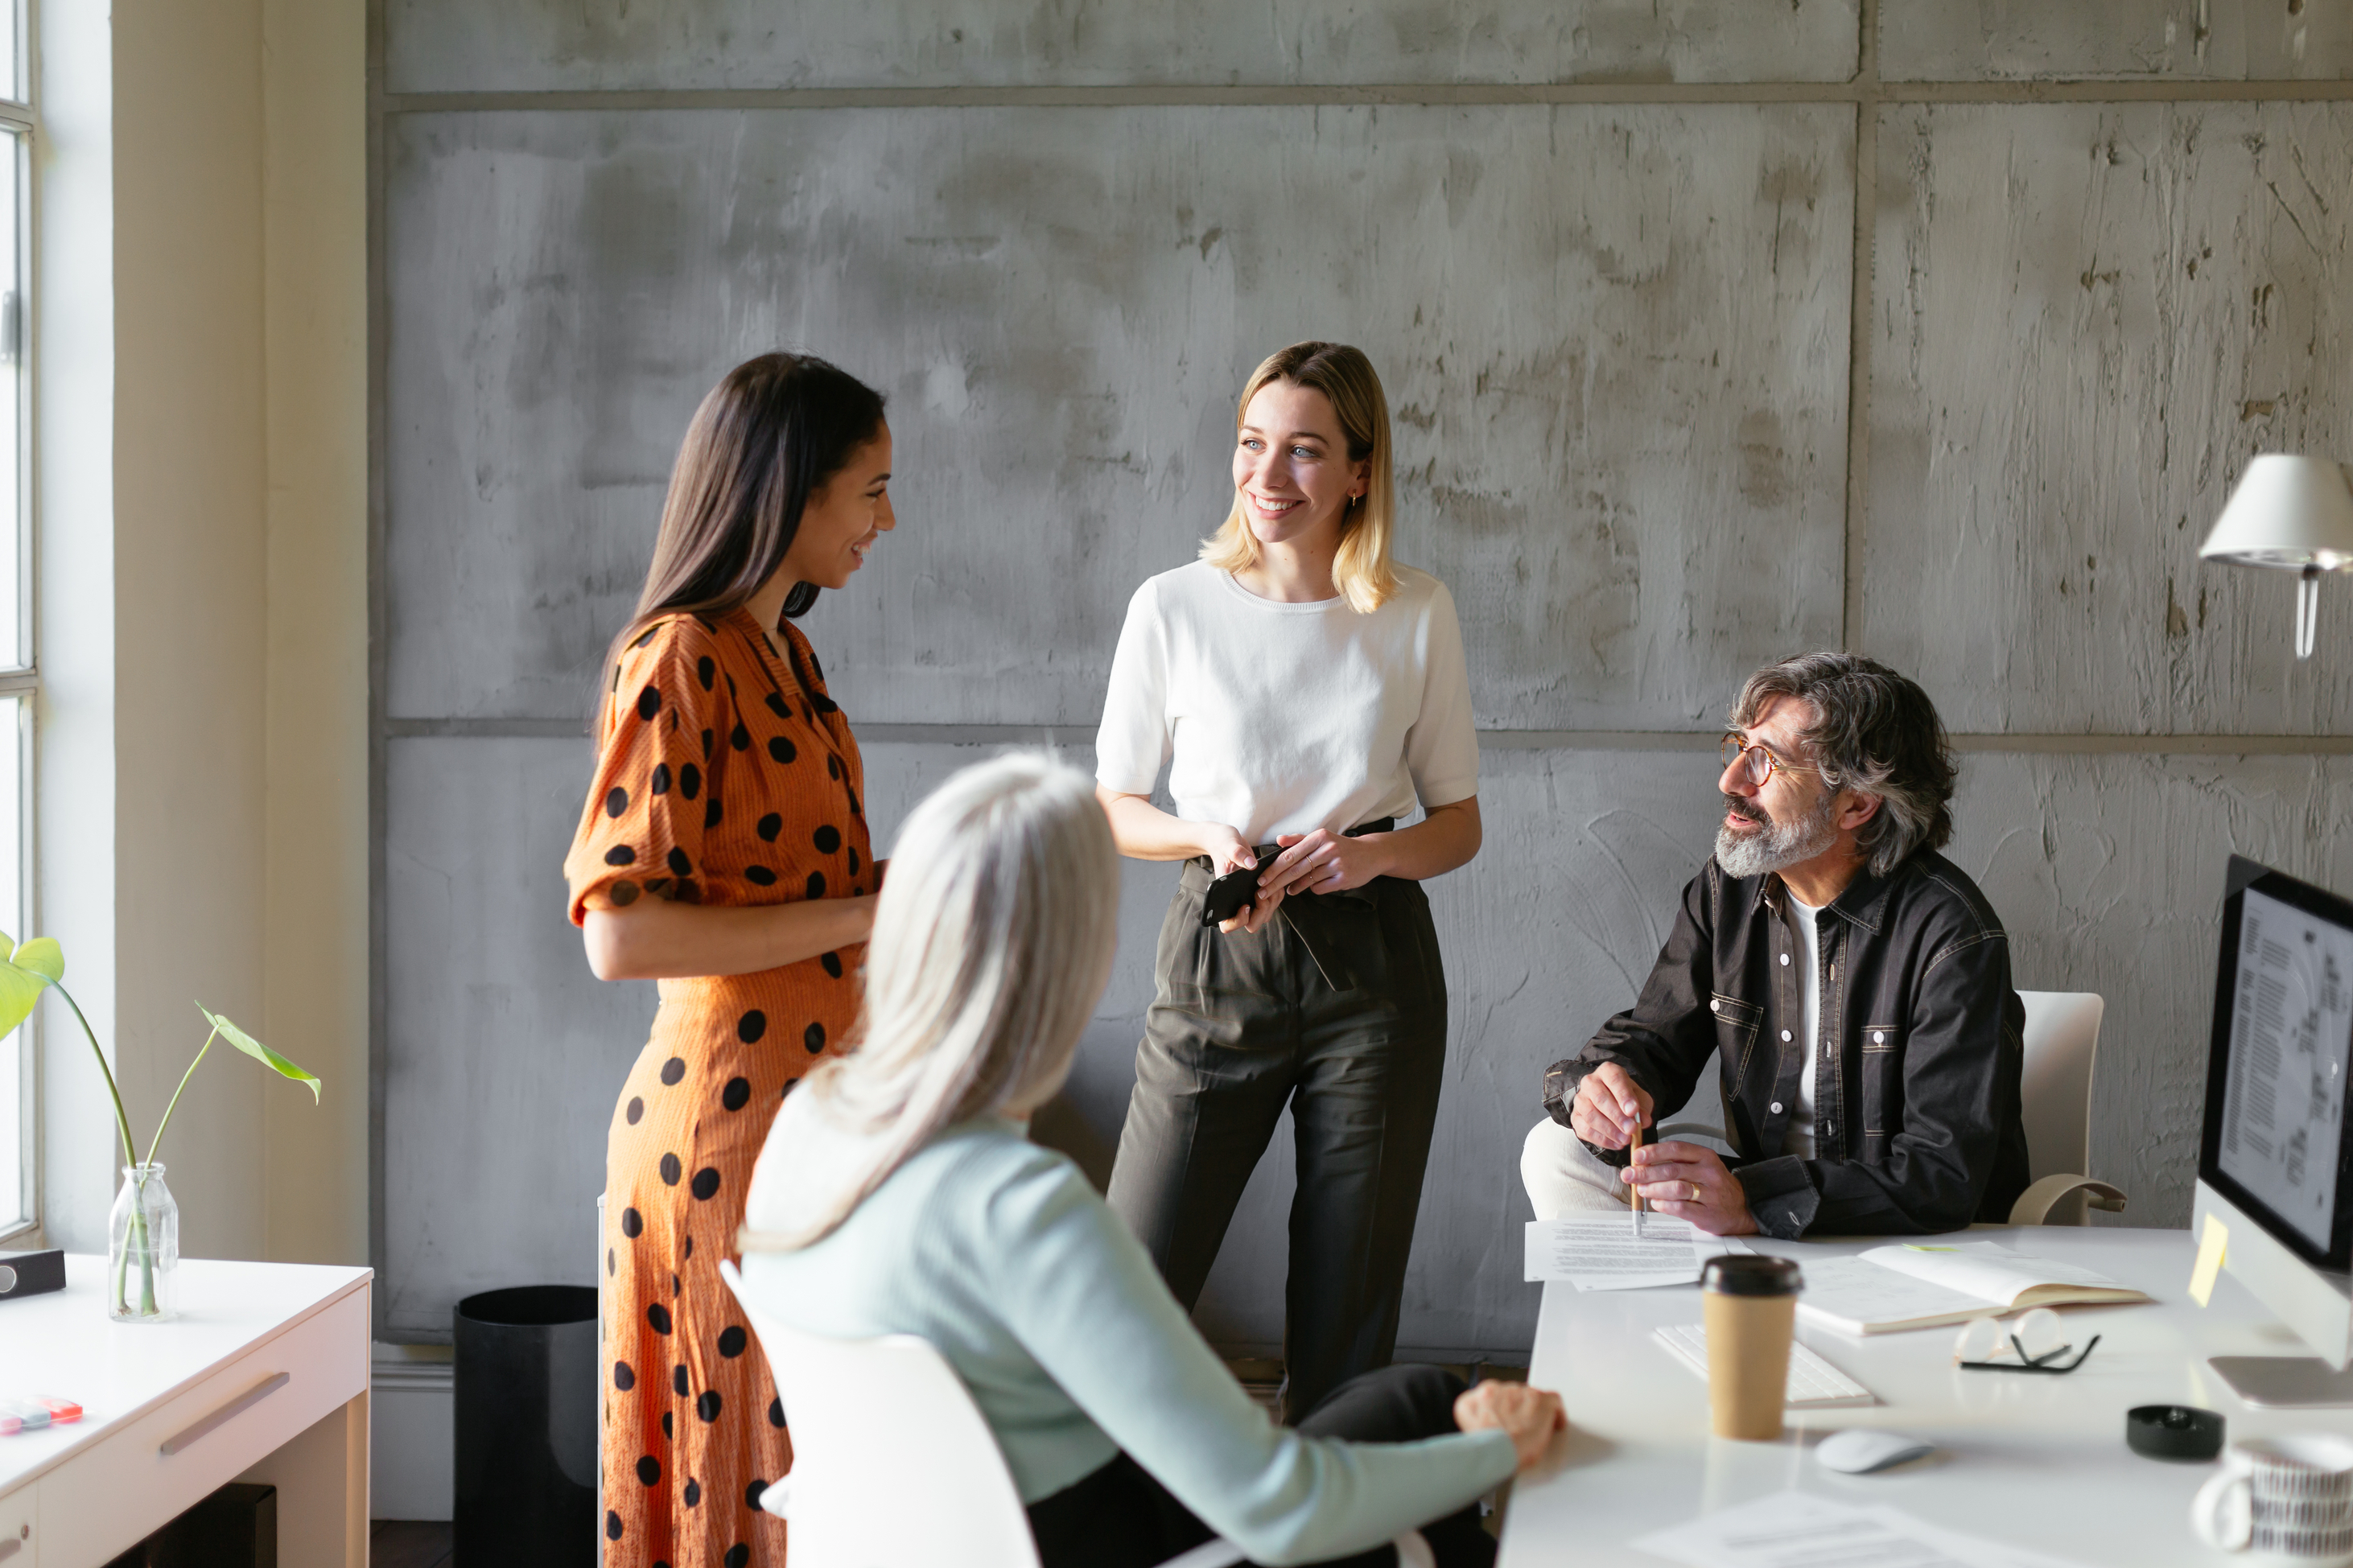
[1755,762]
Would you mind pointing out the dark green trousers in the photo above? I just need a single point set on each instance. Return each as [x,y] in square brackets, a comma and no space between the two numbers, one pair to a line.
[1336,1009]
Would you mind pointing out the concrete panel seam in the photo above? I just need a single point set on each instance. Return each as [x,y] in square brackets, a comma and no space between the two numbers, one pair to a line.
[1434,94]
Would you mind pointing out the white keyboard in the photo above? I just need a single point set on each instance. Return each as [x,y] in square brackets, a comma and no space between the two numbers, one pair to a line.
[1814,1383]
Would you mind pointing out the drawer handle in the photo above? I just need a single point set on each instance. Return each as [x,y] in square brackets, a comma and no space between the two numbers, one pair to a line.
[235,1407]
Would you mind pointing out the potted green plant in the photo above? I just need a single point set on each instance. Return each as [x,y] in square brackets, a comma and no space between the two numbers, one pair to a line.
[144,1231]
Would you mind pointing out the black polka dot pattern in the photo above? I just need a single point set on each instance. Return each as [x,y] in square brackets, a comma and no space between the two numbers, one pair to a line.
[612,1520]
[816,888]
[723,716]
[737,1556]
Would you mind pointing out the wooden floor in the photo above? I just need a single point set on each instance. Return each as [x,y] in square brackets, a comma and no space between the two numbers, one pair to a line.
[408,1544]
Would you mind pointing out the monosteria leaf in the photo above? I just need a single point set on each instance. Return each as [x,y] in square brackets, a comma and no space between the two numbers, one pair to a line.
[43,956]
[258,1051]
[19,991]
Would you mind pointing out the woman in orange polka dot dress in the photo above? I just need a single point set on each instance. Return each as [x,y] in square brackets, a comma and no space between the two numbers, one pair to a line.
[723,851]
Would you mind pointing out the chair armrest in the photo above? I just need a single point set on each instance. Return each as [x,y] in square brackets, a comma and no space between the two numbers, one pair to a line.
[2034,1204]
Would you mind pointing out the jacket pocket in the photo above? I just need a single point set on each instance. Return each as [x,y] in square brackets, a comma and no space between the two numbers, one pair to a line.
[1736,1023]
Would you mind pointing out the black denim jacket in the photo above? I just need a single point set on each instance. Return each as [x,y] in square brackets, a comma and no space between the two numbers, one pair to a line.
[1917,1123]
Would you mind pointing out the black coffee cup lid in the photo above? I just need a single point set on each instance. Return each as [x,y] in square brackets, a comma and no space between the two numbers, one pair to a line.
[1751,1275]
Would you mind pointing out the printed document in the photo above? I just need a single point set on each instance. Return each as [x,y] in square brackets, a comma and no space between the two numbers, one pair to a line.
[1796,1529]
[1608,1252]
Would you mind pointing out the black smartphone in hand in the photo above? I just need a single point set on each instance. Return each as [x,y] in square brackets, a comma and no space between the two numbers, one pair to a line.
[1229,895]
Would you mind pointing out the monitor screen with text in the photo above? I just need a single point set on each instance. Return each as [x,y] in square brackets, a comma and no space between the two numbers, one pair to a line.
[2291,1045]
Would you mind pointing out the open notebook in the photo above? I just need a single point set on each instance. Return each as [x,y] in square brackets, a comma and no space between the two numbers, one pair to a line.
[1893,1288]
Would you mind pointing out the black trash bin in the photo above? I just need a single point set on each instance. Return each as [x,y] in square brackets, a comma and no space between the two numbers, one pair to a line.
[525,1494]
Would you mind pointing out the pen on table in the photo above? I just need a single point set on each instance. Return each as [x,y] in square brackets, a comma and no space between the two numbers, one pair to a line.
[1635,1214]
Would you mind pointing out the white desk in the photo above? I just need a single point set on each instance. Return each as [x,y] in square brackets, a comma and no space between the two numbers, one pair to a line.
[74,1496]
[2037,1461]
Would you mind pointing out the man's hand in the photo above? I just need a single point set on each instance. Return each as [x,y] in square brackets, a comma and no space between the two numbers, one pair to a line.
[1690,1183]
[1610,1106]
[1530,1416]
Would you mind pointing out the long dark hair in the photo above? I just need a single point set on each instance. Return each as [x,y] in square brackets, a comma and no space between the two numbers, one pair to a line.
[770,434]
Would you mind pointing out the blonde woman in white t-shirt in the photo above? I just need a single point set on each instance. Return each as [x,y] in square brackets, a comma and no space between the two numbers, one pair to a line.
[1306,694]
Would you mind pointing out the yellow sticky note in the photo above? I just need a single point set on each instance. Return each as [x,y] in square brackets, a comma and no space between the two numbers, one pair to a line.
[2210,1247]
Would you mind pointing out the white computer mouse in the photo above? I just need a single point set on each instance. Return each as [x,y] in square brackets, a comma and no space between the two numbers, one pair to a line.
[1858,1450]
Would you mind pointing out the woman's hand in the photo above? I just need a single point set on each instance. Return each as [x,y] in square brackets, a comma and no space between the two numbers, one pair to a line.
[1326,862]
[1529,1416]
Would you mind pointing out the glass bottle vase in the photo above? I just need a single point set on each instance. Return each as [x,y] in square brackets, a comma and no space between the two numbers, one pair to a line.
[142,1259]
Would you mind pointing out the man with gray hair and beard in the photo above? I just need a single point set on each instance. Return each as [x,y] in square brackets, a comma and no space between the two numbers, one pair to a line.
[1853,984]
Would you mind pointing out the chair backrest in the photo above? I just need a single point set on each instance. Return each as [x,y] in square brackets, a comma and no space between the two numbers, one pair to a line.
[894,1466]
[2063,1035]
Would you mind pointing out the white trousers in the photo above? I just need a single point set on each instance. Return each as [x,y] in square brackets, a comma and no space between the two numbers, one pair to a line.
[1563,1176]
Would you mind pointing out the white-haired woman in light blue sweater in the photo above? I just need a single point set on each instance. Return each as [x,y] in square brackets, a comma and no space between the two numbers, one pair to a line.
[899,1192]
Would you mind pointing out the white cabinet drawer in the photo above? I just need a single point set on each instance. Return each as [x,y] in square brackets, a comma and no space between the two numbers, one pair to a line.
[112,1494]
[20,1529]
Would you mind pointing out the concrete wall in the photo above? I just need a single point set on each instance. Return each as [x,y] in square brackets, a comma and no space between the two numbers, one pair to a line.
[1712,331]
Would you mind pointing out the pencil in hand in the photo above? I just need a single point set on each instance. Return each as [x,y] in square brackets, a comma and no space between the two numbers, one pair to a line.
[1631,1149]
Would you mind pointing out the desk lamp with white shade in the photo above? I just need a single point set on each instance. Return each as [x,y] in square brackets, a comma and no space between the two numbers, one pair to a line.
[2292,514]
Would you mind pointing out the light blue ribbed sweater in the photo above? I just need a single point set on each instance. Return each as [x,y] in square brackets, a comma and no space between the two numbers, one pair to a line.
[999,1253]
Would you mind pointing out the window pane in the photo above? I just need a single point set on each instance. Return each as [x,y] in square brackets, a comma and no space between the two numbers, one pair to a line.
[12,53]
[14,649]
[16,1051]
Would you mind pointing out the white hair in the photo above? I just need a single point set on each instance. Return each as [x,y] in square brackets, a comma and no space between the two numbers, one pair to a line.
[992,939]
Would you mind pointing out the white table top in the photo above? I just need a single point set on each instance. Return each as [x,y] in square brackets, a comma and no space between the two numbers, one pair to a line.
[62,1345]
[2034,1461]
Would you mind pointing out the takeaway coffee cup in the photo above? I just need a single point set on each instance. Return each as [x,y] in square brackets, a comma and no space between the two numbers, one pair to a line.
[1750,1306]
[2285,1501]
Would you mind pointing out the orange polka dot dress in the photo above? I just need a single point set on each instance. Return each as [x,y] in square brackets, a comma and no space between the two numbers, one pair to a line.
[726,778]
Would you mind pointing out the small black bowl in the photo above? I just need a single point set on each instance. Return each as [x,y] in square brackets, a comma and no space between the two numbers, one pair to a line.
[2173,1432]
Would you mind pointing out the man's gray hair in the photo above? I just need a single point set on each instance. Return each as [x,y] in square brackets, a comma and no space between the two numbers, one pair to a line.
[1874,730]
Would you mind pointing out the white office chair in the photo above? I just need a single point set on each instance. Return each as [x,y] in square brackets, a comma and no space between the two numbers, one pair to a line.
[2061,1038]
[870,1418]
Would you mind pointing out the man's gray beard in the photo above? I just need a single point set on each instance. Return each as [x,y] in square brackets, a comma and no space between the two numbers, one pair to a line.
[1777,845]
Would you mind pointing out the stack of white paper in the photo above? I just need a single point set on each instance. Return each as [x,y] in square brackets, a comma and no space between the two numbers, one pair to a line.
[1609,1252]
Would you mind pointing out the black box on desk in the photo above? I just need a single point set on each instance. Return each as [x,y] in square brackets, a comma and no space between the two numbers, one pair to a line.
[31,1273]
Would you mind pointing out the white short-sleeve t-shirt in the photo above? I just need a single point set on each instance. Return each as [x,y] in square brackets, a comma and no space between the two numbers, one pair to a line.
[1278,718]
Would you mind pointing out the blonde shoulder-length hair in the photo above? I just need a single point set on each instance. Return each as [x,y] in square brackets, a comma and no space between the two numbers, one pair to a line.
[1344,375]
[993,938]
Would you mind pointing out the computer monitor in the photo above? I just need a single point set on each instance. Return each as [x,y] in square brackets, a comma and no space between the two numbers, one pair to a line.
[2275,1161]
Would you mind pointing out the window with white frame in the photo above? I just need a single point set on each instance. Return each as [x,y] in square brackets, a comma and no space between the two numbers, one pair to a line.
[19,679]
